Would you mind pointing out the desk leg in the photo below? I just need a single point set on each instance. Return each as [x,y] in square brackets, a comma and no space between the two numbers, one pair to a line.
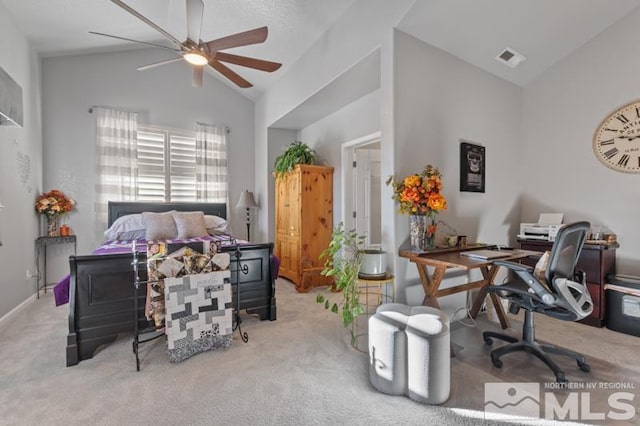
[44,272]
[431,284]
[37,271]
[489,275]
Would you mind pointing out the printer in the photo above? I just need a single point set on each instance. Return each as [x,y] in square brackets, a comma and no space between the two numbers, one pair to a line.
[545,229]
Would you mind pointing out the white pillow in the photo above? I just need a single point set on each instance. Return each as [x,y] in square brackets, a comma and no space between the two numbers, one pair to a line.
[132,225]
[216,224]
[127,223]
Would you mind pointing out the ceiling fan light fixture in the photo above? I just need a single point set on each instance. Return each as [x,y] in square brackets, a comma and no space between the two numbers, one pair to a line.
[195,58]
[199,53]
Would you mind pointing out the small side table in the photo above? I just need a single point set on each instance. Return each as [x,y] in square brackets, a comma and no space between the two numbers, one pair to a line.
[373,293]
[41,244]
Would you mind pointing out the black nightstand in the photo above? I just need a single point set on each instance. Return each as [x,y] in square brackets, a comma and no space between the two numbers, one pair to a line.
[43,242]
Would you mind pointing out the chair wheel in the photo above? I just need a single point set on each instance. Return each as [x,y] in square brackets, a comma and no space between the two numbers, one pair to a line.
[488,341]
[561,379]
[584,366]
[497,363]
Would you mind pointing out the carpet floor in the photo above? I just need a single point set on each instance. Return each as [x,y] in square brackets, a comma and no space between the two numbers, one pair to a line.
[297,370]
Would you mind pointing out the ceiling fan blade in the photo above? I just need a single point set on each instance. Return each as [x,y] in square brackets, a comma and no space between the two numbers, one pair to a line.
[155,64]
[231,75]
[195,9]
[146,21]
[197,75]
[136,41]
[244,61]
[255,36]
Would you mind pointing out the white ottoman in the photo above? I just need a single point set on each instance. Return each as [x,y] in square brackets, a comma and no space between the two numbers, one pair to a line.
[409,352]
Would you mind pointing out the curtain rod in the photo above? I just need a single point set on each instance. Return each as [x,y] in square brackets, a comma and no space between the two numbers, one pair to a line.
[91,108]
[226,128]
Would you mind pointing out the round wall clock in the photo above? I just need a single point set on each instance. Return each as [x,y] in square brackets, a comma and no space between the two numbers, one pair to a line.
[616,142]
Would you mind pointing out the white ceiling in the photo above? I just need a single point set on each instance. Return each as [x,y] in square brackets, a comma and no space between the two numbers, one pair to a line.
[544,31]
[474,30]
[61,27]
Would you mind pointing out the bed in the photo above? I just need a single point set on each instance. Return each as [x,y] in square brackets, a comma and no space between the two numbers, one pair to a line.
[101,287]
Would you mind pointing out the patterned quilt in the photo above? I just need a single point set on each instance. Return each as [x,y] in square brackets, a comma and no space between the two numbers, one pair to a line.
[189,295]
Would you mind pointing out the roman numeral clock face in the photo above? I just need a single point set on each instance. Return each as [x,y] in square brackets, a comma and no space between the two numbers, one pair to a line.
[616,143]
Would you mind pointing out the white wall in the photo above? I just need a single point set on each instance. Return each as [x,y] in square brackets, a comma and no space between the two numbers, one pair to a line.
[326,136]
[162,96]
[439,100]
[20,170]
[561,111]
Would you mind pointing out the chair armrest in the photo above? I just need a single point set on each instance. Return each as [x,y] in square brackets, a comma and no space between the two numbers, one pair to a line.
[525,273]
[516,267]
[506,287]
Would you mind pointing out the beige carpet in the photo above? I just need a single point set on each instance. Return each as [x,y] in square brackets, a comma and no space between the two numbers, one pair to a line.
[298,370]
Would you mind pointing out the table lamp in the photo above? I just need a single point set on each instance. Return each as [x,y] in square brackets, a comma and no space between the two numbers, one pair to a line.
[248,202]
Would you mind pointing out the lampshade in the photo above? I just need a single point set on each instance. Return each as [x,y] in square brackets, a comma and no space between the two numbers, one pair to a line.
[246,200]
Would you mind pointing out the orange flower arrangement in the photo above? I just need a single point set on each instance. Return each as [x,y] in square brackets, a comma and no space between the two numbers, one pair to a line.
[54,203]
[419,194]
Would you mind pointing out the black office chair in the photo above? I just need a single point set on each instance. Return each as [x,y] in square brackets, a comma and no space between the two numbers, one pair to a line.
[564,296]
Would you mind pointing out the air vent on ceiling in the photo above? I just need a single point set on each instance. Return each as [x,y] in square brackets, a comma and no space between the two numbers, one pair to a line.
[510,57]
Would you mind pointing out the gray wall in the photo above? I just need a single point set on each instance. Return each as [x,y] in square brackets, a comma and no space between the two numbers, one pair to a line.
[360,31]
[278,140]
[428,101]
[561,111]
[326,136]
[439,100]
[162,96]
[20,170]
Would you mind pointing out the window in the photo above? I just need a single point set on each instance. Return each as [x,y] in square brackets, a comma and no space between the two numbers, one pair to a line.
[167,166]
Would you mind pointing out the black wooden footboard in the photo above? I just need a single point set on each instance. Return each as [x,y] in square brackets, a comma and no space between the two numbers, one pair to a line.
[101,292]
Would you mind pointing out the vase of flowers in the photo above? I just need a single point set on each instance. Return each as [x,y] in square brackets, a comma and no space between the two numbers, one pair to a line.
[419,196]
[53,205]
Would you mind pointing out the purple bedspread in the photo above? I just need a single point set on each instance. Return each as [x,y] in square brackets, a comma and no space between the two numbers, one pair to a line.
[61,289]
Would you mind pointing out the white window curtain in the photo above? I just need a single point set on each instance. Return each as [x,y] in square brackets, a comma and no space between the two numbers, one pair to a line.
[211,164]
[116,161]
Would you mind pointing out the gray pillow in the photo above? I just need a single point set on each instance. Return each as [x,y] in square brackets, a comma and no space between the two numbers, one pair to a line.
[159,226]
[190,224]
[138,234]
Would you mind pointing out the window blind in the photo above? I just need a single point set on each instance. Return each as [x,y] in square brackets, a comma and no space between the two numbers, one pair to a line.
[166,166]
[182,163]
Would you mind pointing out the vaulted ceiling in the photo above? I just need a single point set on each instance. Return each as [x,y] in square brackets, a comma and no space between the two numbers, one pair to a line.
[544,31]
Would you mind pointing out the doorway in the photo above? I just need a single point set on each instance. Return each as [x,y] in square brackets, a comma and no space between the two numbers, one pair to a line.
[361,188]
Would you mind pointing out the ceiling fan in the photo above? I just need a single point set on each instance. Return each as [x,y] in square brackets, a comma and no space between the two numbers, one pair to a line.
[199,53]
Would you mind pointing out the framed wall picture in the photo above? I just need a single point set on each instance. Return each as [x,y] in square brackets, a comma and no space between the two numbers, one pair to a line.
[472,167]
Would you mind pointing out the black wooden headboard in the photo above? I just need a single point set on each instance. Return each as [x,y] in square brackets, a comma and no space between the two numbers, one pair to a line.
[122,208]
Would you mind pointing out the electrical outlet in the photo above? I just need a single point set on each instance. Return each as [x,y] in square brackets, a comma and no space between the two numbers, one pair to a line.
[31,274]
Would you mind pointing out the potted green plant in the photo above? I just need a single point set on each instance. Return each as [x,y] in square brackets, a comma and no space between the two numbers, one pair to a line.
[343,258]
[296,153]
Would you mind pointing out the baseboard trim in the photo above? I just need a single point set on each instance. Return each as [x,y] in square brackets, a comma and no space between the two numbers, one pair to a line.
[5,318]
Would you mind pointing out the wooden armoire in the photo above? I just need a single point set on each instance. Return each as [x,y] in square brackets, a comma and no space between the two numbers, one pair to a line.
[304,224]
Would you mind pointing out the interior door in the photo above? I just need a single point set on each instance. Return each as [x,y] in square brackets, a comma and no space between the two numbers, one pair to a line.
[366,191]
